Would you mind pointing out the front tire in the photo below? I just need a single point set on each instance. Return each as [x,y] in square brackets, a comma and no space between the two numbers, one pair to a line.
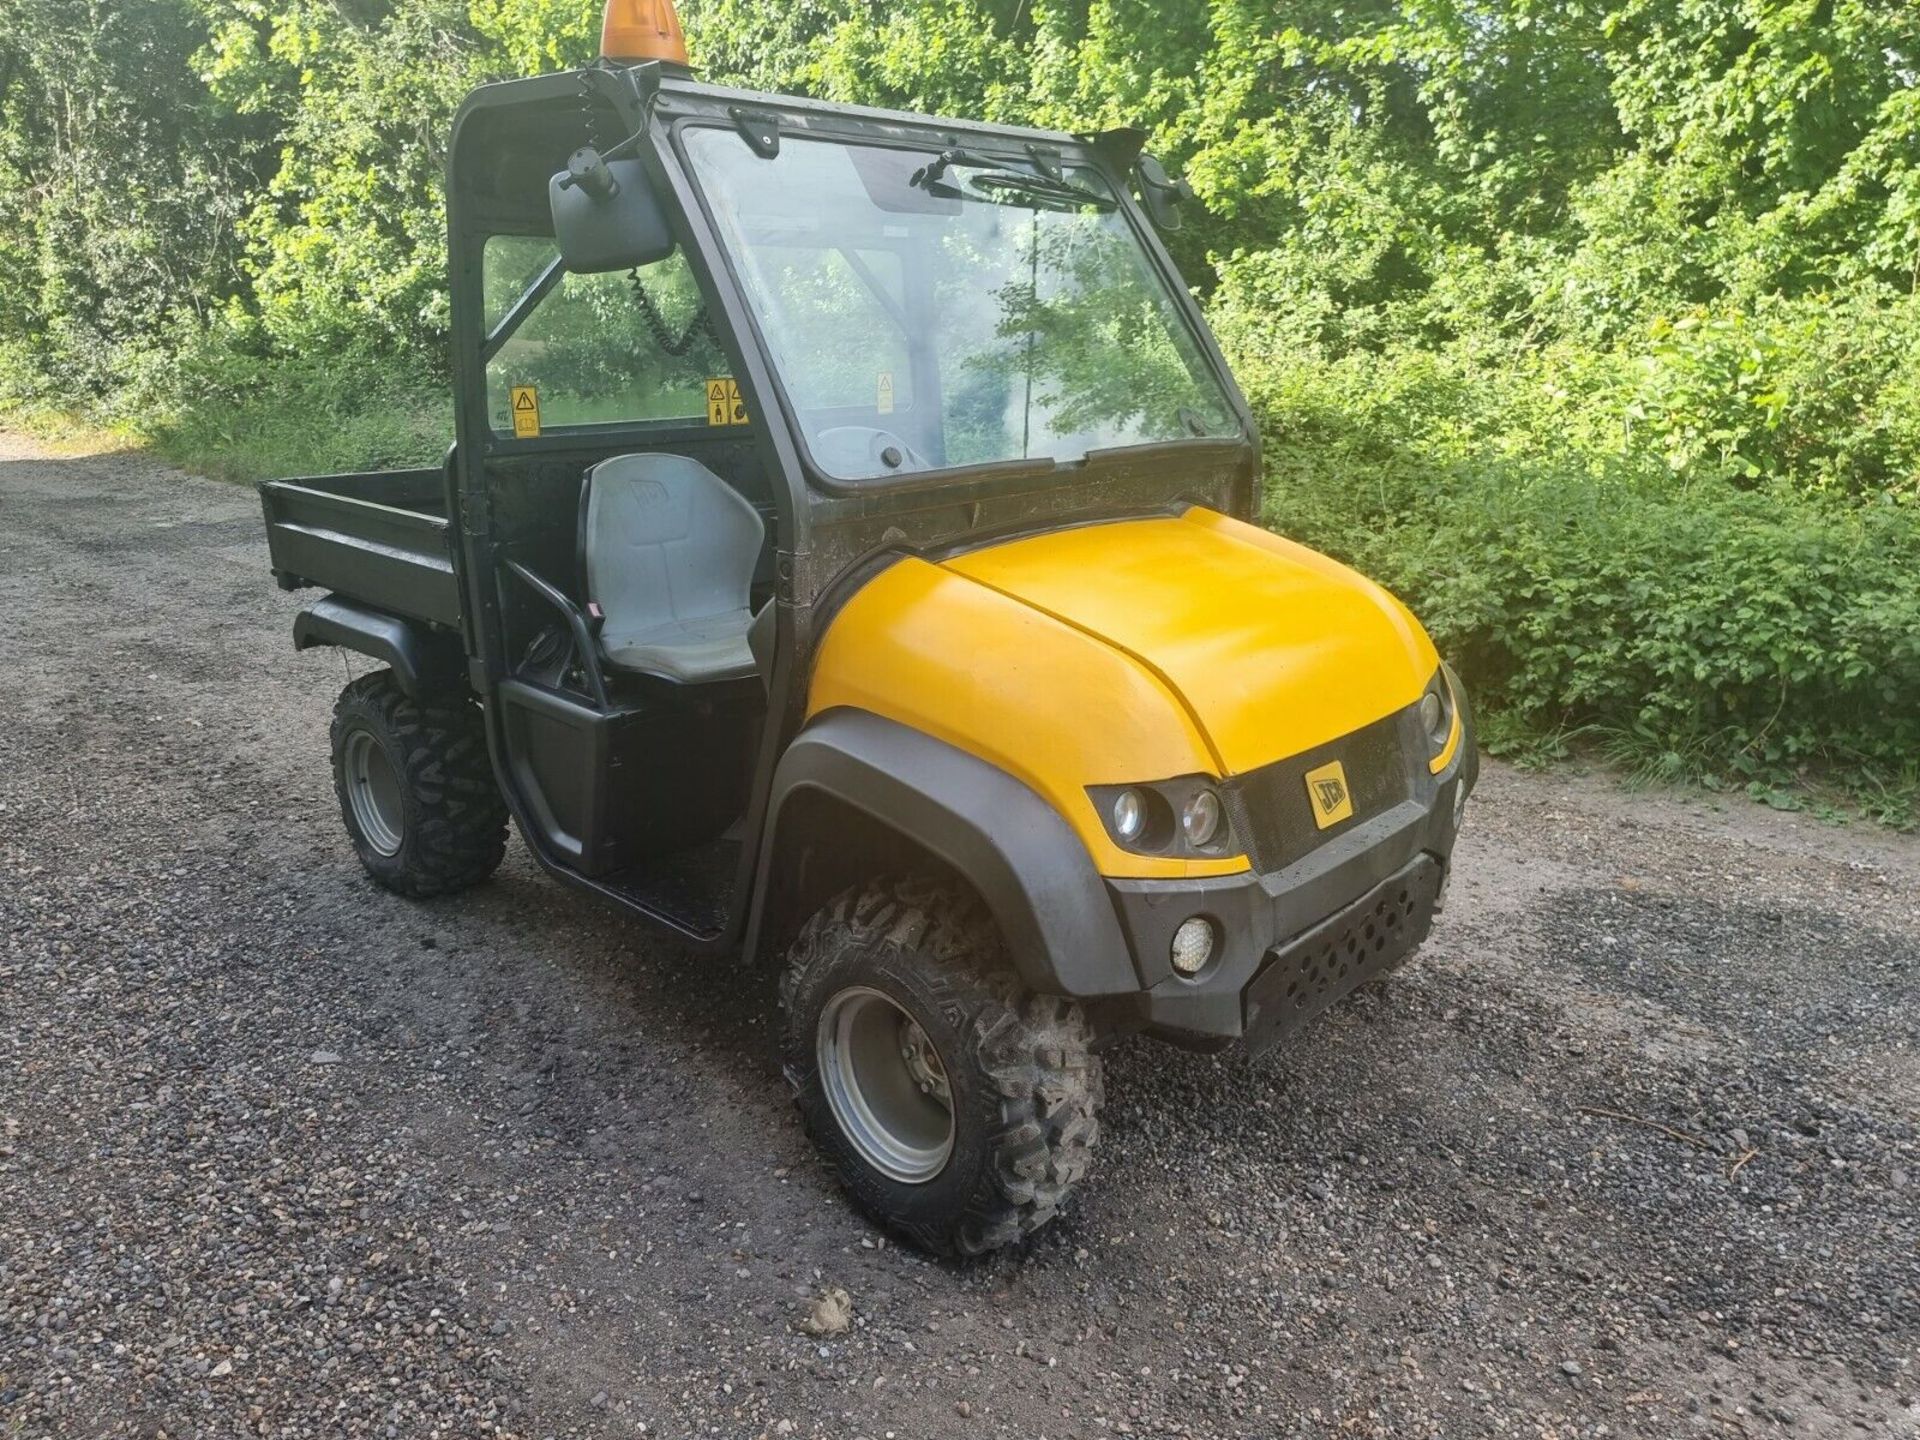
[958,1106]
[416,788]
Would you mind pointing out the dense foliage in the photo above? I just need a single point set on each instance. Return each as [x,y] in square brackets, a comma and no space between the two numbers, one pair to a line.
[1590,324]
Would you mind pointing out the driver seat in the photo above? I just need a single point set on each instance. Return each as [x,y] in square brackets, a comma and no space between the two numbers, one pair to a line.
[669,551]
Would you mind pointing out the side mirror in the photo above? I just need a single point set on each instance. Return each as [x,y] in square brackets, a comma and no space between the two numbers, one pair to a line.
[605,215]
[1161,193]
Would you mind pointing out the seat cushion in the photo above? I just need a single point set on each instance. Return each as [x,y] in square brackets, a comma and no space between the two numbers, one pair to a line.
[711,647]
[670,550]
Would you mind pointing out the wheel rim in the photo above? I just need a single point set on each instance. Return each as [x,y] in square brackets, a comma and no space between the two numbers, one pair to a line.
[373,790]
[886,1085]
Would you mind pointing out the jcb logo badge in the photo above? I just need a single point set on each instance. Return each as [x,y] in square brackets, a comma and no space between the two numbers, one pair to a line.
[1327,790]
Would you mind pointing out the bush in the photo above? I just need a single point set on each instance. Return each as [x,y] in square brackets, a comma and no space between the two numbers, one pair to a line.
[1701,628]
[1756,632]
[222,402]
[1818,392]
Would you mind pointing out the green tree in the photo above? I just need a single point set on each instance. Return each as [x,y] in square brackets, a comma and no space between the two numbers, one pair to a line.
[120,180]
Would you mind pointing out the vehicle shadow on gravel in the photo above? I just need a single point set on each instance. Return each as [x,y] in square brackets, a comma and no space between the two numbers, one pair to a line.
[1441,1080]
[599,1040]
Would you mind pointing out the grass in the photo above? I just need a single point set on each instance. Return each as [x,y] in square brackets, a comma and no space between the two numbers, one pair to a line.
[1835,793]
[285,430]
[232,417]
[65,432]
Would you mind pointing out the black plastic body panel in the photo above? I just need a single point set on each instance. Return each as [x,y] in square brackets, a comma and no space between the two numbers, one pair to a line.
[599,784]
[1027,864]
[1269,806]
[1306,976]
[426,661]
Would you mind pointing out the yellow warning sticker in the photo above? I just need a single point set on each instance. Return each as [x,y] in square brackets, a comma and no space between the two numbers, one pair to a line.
[526,412]
[885,401]
[1327,791]
[724,405]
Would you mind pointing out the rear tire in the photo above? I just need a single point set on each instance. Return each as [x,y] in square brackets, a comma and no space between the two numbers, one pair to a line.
[1021,1085]
[416,788]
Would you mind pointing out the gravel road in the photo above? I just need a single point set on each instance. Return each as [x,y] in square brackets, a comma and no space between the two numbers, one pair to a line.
[1629,1149]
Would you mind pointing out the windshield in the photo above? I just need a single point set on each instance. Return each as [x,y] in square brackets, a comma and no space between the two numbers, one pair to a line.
[926,311]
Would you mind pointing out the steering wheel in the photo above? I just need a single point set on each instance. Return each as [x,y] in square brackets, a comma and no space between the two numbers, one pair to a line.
[863,451]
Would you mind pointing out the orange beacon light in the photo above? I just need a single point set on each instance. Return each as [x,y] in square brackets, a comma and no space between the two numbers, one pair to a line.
[638,30]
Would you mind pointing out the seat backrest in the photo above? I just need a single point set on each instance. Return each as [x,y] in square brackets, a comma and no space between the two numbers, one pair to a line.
[666,539]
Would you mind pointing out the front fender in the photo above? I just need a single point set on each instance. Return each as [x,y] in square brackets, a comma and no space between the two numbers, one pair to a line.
[992,830]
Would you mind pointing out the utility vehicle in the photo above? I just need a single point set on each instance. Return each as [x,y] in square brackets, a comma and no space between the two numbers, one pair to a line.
[845,558]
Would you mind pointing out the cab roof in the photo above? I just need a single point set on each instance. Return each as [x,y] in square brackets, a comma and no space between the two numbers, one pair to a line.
[725,97]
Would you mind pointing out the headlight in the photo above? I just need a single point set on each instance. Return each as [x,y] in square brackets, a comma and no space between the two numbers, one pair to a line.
[1181,817]
[1437,715]
[1200,818]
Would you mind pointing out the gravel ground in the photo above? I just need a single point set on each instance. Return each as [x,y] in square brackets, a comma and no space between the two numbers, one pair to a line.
[1629,1149]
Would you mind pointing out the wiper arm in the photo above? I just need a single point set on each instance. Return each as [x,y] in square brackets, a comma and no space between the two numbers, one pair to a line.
[1039,189]
[996,177]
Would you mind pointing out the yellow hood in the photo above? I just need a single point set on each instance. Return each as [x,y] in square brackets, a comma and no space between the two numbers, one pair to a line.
[1272,648]
[1134,651]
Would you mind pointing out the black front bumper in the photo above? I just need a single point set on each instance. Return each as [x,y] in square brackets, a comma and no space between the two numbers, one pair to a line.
[1283,951]
[1343,952]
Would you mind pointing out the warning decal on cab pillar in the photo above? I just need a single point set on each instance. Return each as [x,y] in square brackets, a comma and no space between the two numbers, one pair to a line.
[526,412]
[724,405]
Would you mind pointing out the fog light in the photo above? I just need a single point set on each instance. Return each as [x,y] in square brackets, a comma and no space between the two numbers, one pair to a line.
[1129,814]
[1193,945]
[1432,712]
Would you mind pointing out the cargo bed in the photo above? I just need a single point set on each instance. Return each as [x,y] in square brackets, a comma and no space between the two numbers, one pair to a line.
[380,538]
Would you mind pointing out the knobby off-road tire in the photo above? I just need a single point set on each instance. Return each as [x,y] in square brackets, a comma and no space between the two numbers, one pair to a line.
[416,788]
[1023,1083]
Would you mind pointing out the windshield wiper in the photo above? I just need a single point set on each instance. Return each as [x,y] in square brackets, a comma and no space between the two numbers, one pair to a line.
[993,178]
[1038,190]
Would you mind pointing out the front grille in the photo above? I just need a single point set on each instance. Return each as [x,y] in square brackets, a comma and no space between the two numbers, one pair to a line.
[1270,809]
